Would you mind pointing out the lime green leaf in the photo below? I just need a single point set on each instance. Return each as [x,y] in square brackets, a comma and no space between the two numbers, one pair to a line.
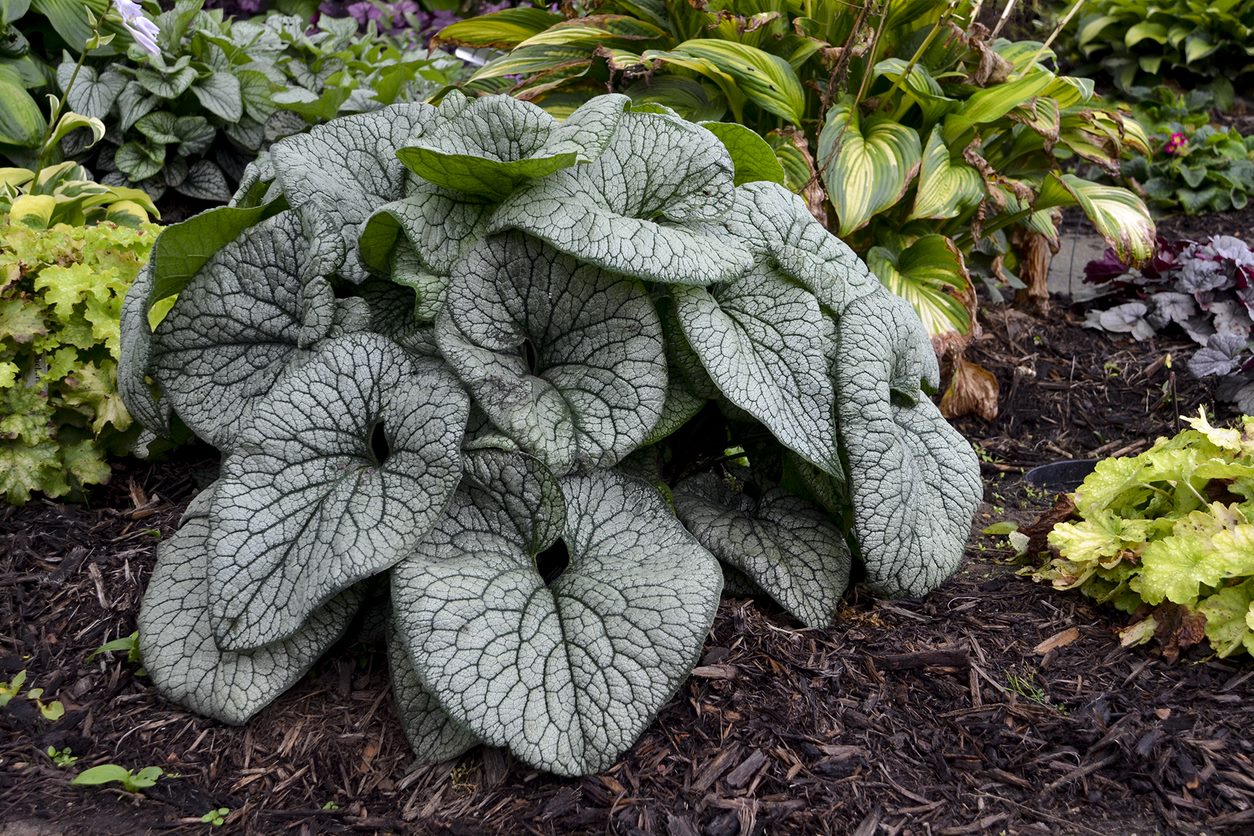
[752,156]
[1230,619]
[866,168]
[992,103]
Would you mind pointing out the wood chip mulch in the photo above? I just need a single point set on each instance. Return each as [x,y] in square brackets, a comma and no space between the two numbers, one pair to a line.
[995,705]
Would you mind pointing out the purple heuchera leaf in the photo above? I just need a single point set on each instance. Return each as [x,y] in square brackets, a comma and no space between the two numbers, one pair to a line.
[1104,269]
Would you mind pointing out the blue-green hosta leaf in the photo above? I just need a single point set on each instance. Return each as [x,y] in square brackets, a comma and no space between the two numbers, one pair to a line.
[638,209]
[913,480]
[764,342]
[339,173]
[177,642]
[790,548]
[773,221]
[237,327]
[595,382]
[432,733]
[566,673]
[495,143]
[341,471]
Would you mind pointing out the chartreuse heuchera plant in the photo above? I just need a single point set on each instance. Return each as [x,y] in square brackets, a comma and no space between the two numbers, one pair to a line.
[543,377]
[1169,535]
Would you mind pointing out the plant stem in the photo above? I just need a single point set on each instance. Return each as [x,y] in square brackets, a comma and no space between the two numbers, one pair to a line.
[46,148]
[1062,24]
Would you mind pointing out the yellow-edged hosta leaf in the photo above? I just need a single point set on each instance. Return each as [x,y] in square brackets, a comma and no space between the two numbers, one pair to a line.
[1119,215]
[764,79]
[867,167]
[931,275]
[946,186]
[33,210]
[499,30]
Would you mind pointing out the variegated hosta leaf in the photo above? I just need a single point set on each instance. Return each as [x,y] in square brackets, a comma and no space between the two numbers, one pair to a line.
[931,275]
[336,175]
[913,480]
[595,381]
[867,166]
[178,646]
[764,342]
[774,221]
[566,673]
[237,327]
[342,470]
[638,207]
[787,546]
[946,186]
[1120,216]
[432,733]
[495,143]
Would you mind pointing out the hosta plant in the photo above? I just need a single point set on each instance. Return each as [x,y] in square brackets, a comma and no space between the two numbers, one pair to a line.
[1203,288]
[61,291]
[1169,536]
[543,377]
[929,146]
[1178,40]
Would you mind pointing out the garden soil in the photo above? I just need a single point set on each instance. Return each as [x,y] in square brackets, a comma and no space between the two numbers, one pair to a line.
[996,705]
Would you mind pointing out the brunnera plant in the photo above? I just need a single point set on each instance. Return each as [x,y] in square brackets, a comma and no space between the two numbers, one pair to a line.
[544,378]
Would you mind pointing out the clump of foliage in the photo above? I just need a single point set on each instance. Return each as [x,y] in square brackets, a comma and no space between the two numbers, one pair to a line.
[1168,535]
[1196,166]
[1181,40]
[220,91]
[542,377]
[1205,288]
[928,146]
[61,292]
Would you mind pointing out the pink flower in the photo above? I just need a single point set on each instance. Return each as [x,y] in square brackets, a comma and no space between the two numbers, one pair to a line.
[1175,143]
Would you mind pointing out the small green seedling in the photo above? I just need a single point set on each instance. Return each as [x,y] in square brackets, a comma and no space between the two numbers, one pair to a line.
[217,817]
[62,757]
[110,773]
[10,689]
[330,806]
[128,643]
[51,711]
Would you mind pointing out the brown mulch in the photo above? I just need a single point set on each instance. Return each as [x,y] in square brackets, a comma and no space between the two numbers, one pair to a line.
[995,705]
